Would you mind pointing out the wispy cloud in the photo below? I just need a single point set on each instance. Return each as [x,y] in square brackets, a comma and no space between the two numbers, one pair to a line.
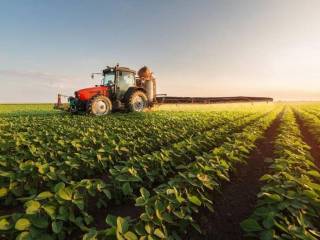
[44,79]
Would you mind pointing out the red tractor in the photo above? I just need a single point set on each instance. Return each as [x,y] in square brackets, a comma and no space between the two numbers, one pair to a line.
[120,88]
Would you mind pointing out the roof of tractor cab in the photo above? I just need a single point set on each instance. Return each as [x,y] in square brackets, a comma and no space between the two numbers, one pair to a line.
[121,69]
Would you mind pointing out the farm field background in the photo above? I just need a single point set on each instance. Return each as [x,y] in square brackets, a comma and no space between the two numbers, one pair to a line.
[227,171]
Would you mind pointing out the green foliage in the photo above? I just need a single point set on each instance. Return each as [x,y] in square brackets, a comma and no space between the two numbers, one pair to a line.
[288,203]
[169,209]
[59,171]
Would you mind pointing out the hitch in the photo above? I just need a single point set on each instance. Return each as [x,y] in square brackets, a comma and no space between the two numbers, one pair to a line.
[59,105]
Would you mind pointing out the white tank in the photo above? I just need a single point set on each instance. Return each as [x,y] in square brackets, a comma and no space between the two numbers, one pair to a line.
[150,90]
[145,74]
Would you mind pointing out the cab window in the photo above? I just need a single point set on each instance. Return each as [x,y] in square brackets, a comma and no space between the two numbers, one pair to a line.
[126,78]
[108,79]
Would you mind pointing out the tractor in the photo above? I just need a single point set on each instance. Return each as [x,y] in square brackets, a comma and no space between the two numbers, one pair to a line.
[120,89]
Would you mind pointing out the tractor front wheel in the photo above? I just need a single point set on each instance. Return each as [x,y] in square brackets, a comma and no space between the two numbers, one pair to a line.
[99,105]
[137,102]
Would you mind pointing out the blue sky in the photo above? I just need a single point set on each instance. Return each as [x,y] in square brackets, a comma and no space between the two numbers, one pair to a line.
[195,48]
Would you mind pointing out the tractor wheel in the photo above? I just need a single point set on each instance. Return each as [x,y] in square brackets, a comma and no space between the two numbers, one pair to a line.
[99,105]
[137,102]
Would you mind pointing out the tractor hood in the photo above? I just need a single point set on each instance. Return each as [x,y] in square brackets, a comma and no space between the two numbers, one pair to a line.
[86,94]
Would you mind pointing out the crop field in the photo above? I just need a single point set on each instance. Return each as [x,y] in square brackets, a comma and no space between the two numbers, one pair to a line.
[227,171]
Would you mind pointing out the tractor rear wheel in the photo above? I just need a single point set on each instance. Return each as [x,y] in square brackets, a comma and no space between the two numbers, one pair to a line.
[99,105]
[137,102]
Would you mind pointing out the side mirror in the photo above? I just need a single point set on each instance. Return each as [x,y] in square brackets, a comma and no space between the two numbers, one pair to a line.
[92,76]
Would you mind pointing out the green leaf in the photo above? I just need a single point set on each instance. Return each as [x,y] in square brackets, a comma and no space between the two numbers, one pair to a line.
[268,221]
[150,237]
[159,233]
[111,220]
[148,228]
[63,213]
[196,226]
[126,189]
[130,236]
[274,197]
[140,201]
[122,225]
[39,221]
[50,210]
[23,236]
[195,200]
[124,149]
[32,207]
[144,217]
[310,194]
[262,211]
[282,227]
[79,203]
[159,215]
[107,193]
[3,192]
[58,186]
[4,224]
[159,206]
[139,229]
[57,226]
[267,235]
[144,193]
[314,173]
[44,195]
[250,225]
[314,186]
[167,217]
[65,193]
[22,224]
[266,177]
[91,235]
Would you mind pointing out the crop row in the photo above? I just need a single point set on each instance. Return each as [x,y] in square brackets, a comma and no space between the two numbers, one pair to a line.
[169,208]
[311,120]
[28,167]
[60,206]
[288,203]
[54,138]
[156,167]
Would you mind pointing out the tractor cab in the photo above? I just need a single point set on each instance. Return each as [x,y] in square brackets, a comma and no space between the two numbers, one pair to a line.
[120,80]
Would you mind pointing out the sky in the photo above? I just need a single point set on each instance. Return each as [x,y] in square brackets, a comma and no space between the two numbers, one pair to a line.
[195,48]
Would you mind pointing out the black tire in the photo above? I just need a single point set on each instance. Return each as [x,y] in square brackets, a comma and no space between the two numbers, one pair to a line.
[137,102]
[99,105]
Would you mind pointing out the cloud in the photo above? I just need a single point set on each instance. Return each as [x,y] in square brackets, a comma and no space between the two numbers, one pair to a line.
[43,79]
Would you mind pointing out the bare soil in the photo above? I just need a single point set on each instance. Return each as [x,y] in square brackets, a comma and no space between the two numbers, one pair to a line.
[309,139]
[237,199]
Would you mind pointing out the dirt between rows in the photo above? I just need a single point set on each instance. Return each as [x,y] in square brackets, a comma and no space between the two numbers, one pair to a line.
[309,139]
[237,198]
